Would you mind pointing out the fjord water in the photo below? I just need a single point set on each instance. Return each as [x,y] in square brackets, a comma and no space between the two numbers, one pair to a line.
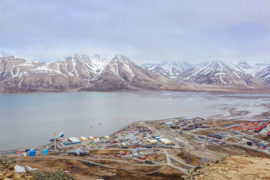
[27,120]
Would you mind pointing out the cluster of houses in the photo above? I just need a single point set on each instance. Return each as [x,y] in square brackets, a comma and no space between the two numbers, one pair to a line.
[185,124]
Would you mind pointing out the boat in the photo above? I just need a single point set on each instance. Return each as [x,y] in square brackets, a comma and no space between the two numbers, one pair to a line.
[60,135]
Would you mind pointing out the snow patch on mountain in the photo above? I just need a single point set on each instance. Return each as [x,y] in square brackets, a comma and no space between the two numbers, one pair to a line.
[217,71]
[168,69]
[264,74]
[251,69]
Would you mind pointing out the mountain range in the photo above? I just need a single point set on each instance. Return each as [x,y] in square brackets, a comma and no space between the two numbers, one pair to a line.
[215,73]
[78,72]
[96,73]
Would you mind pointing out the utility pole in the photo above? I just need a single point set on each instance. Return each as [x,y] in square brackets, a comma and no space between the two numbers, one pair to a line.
[54,142]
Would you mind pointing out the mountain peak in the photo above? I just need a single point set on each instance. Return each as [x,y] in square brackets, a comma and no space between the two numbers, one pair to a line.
[217,61]
[80,56]
[168,69]
[120,57]
[244,65]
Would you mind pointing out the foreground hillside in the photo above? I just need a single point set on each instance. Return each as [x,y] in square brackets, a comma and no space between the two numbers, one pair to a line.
[236,167]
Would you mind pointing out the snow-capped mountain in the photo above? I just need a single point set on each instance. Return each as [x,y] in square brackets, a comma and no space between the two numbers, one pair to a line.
[96,73]
[213,72]
[168,69]
[244,65]
[75,72]
[251,69]
[216,72]
[264,74]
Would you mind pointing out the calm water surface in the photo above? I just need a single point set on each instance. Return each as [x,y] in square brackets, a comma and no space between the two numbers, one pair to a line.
[31,119]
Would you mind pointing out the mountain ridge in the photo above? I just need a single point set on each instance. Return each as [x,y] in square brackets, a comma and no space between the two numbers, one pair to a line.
[96,73]
[76,72]
[219,73]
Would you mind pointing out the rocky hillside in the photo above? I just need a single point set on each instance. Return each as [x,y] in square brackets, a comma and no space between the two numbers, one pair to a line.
[10,169]
[235,167]
[79,72]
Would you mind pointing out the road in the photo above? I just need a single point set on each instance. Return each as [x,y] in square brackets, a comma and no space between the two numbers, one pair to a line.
[169,163]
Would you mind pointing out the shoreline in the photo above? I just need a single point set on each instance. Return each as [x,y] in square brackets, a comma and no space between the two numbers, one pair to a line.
[197,88]
[140,91]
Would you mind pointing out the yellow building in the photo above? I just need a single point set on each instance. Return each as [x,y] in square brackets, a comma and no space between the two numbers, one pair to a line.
[152,141]
[84,139]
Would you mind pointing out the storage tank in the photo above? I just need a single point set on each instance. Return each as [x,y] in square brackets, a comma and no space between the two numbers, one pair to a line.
[32,153]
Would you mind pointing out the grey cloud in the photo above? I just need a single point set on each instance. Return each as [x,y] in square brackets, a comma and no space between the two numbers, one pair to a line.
[152,30]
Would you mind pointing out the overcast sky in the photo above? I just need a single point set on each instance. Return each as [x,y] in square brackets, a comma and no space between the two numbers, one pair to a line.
[143,30]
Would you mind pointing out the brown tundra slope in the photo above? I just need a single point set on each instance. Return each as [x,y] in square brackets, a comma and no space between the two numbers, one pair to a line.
[236,167]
